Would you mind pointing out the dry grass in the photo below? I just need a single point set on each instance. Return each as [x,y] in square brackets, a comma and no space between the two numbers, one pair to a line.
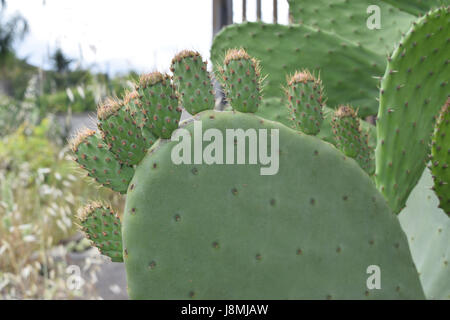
[37,213]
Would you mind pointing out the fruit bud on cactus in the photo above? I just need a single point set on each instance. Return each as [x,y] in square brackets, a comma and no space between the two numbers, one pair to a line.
[241,78]
[305,101]
[159,103]
[440,158]
[349,138]
[120,133]
[346,131]
[192,81]
[93,156]
[103,227]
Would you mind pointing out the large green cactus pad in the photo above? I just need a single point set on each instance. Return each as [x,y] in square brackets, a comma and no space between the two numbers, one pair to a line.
[348,19]
[428,231]
[345,68]
[227,232]
[413,89]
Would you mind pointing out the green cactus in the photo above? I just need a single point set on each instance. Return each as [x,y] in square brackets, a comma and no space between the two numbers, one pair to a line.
[274,109]
[133,106]
[302,233]
[120,133]
[349,20]
[193,82]
[103,228]
[159,102]
[440,158]
[342,64]
[92,155]
[305,100]
[332,37]
[413,90]
[350,139]
[240,75]
[309,231]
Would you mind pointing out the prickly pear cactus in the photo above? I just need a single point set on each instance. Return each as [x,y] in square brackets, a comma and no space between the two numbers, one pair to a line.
[356,20]
[350,139]
[307,222]
[241,80]
[306,99]
[263,237]
[413,89]
[274,109]
[102,226]
[193,81]
[159,103]
[440,158]
[92,155]
[342,64]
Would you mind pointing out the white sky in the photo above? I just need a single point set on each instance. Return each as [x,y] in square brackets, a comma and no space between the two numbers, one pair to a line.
[118,35]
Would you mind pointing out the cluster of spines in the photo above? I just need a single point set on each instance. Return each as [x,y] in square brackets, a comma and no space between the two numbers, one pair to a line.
[192,81]
[93,156]
[350,139]
[160,104]
[440,158]
[120,132]
[305,101]
[103,227]
[241,78]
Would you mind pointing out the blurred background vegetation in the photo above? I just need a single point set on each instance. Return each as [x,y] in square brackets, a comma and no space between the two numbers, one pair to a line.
[40,189]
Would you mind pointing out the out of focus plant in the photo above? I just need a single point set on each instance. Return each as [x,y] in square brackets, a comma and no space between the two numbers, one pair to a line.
[38,197]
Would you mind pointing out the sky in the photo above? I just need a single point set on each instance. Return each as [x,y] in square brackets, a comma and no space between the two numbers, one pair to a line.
[115,36]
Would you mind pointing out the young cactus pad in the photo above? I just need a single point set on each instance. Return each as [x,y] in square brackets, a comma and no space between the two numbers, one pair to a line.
[241,78]
[160,104]
[440,158]
[93,156]
[305,100]
[413,90]
[350,139]
[192,81]
[302,233]
[102,226]
[120,133]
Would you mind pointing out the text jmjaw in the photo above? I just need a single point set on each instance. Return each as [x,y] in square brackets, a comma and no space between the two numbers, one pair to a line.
[237,151]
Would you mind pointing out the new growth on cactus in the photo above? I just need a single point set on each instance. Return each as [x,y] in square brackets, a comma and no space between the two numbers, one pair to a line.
[306,97]
[193,81]
[159,103]
[350,139]
[241,80]
[92,155]
[102,226]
